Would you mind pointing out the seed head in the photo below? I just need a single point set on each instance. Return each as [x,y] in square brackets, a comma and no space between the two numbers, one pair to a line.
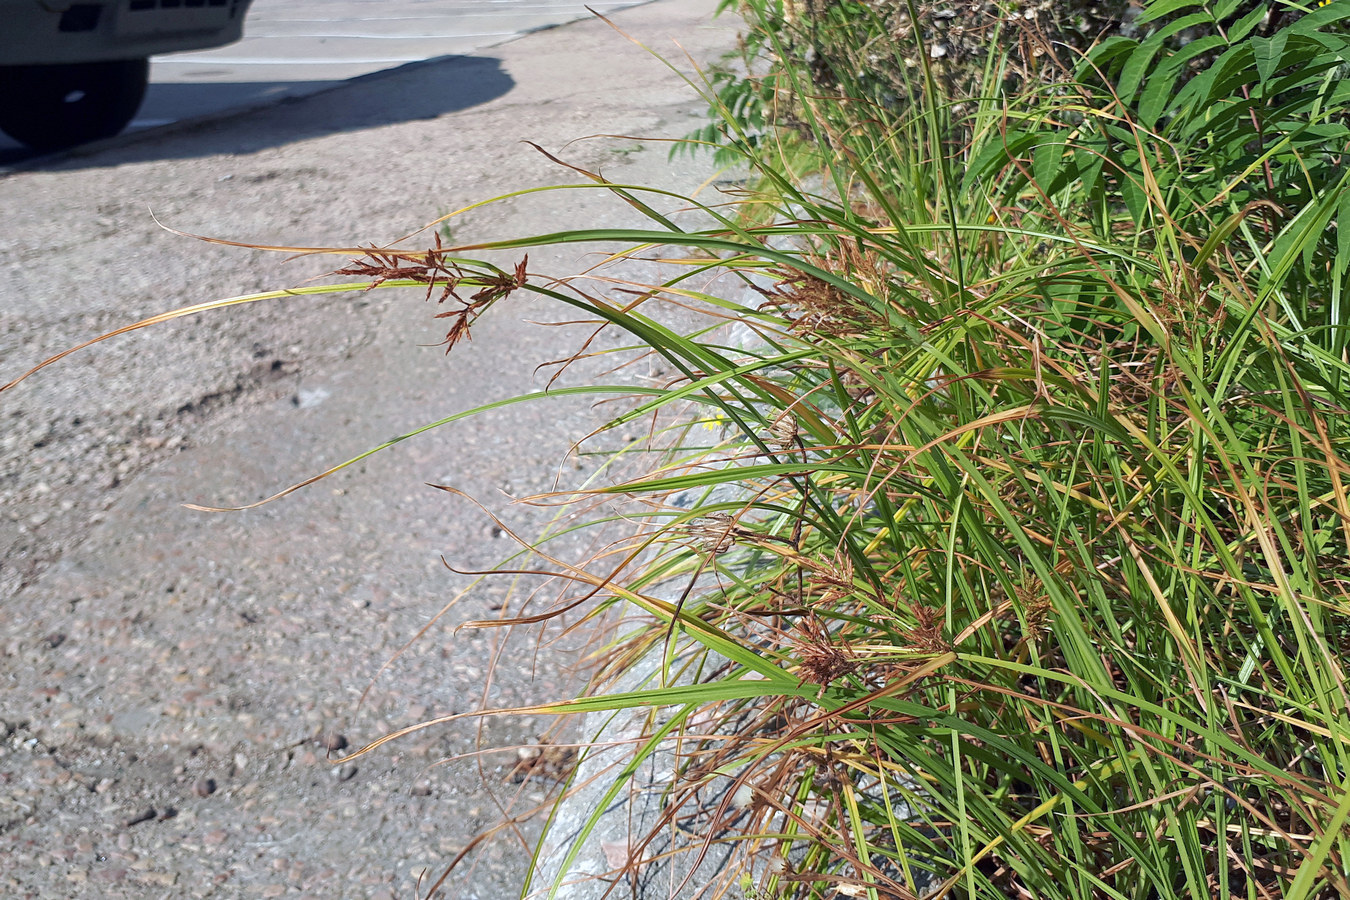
[823,659]
[783,431]
[715,533]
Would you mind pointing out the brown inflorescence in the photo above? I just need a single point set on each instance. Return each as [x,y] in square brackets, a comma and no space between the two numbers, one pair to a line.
[926,635]
[435,270]
[823,660]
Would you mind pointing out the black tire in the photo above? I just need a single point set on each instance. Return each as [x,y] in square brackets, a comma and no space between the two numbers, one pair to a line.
[52,107]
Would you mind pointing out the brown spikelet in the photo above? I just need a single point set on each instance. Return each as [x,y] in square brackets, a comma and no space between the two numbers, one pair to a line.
[714,533]
[783,431]
[429,267]
[488,293]
[814,306]
[926,634]
[823,660]
[831,580]
[1036,608]
[435,270]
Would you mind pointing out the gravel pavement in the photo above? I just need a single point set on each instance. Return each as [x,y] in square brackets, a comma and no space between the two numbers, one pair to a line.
[171,681]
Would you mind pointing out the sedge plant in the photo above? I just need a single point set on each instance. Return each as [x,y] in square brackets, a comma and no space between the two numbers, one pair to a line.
[997,539]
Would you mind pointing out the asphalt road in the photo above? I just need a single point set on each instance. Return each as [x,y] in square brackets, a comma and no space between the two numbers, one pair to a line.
[170,679]
[296,47]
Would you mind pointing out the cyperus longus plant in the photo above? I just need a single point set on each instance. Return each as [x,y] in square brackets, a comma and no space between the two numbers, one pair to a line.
[996,538]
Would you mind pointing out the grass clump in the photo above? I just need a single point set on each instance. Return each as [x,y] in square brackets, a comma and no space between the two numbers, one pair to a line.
[1021,568]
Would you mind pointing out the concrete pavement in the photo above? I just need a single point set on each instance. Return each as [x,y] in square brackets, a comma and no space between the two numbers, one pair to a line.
[169,679]
[292,48]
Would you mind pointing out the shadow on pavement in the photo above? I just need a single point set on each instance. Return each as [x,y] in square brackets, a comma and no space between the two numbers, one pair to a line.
[246,117]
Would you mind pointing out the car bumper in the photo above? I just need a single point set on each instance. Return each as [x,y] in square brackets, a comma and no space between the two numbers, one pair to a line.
[38,32]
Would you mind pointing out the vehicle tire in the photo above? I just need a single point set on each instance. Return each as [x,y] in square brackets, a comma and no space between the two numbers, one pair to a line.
[52,107]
